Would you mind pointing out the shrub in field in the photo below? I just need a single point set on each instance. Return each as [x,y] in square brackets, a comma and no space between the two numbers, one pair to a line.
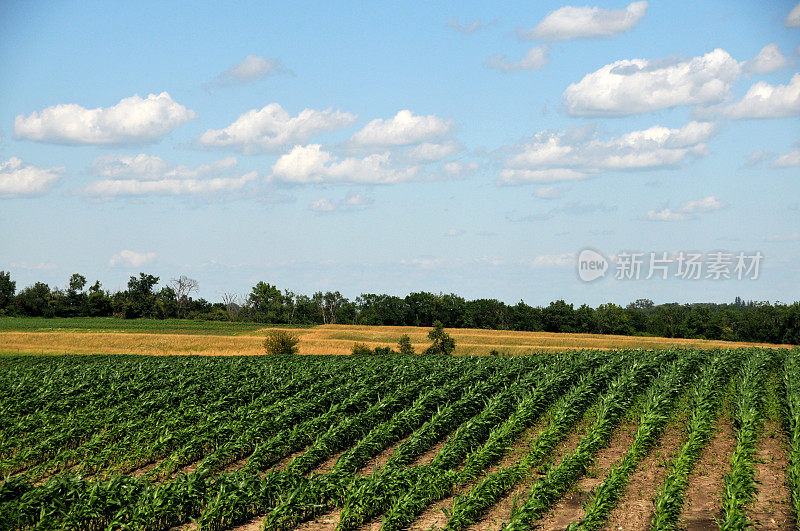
[281,342]
[360,349]
[384,351]
[404,345]
[442,342]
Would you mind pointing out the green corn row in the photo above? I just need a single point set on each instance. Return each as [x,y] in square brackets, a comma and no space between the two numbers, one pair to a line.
[469,507]
[705,404]
[440,478]
[740,483]
[661,400]
[791,381]
[621,395]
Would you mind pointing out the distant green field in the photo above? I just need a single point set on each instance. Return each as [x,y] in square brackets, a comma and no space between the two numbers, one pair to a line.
[111,324]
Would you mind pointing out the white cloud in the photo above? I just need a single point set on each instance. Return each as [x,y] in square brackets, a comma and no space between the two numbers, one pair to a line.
[352,201]
[548,192]
[403,129]
[322,205]
[552,157]
[18,179]
[311,164]
[356,200]
[551,260]
[148,167]
[570,22]
[535,59]
[466,30]
[707,204]
[132,121]
[148,175]
[667,215]
[431,152]
[554,175]
[788,160]
[637,85]
[756,158]
[271,128]
[687,210]
[767,101]
[251,68]
[793,18]
[131,258]
[453,233]
[768,60]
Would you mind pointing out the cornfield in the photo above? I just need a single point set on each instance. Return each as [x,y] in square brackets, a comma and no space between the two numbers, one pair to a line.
[550,441]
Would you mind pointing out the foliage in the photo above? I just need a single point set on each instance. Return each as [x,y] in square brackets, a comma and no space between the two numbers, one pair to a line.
[404,345]
[443,343]
[281,342]
[360,349]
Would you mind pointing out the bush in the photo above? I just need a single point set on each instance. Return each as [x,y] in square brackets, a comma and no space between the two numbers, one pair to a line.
[404,345]
[281,342]
[360,349]
[442,342]
[384,351]
[494,352]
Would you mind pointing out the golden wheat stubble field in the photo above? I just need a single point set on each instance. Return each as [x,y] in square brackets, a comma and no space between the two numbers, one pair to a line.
[326,339]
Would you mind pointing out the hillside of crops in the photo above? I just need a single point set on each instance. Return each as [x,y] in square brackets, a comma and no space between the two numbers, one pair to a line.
[631,439]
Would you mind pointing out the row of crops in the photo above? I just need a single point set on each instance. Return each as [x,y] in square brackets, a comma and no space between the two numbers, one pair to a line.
[133,442]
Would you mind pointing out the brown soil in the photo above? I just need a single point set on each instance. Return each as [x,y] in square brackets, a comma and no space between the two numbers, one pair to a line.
[379,461]
[326,521]
[327,466]
[707,482]
[635,508]
[427,457]
[570,508]
[772,508]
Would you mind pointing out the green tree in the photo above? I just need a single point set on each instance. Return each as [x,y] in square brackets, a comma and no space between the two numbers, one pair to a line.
[442,342]
[266,303]
[34,300]
[140,300]
[7,290]
[404,345]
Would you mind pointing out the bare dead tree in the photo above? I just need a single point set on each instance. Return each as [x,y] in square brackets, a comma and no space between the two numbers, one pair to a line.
[232,306]
[183,287]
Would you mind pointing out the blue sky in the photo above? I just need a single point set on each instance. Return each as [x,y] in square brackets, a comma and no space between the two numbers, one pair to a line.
[465,147]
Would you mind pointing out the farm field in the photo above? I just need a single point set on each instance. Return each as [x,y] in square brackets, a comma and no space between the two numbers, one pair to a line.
[173,336]
[631,439]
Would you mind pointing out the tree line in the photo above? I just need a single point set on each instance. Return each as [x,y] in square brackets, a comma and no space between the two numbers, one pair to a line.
[143,298]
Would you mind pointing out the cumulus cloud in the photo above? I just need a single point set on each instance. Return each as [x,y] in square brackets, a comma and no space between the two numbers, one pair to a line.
[551,260]
[768,60]
[133,120]
[129,258]
[788,160]
[352,201]
[149,175]
[404,128]
[548,192]
[18,179]
[431,152]
[466,30]
[322,205]
[271,128]
[565,156]
[251,68]
[793,18]
[312,164]
[535,59]
[763,100]
[570,22]
[634,86]
[687,210]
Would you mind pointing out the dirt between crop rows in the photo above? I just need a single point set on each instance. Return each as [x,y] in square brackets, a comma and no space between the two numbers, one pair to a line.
[635,508]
